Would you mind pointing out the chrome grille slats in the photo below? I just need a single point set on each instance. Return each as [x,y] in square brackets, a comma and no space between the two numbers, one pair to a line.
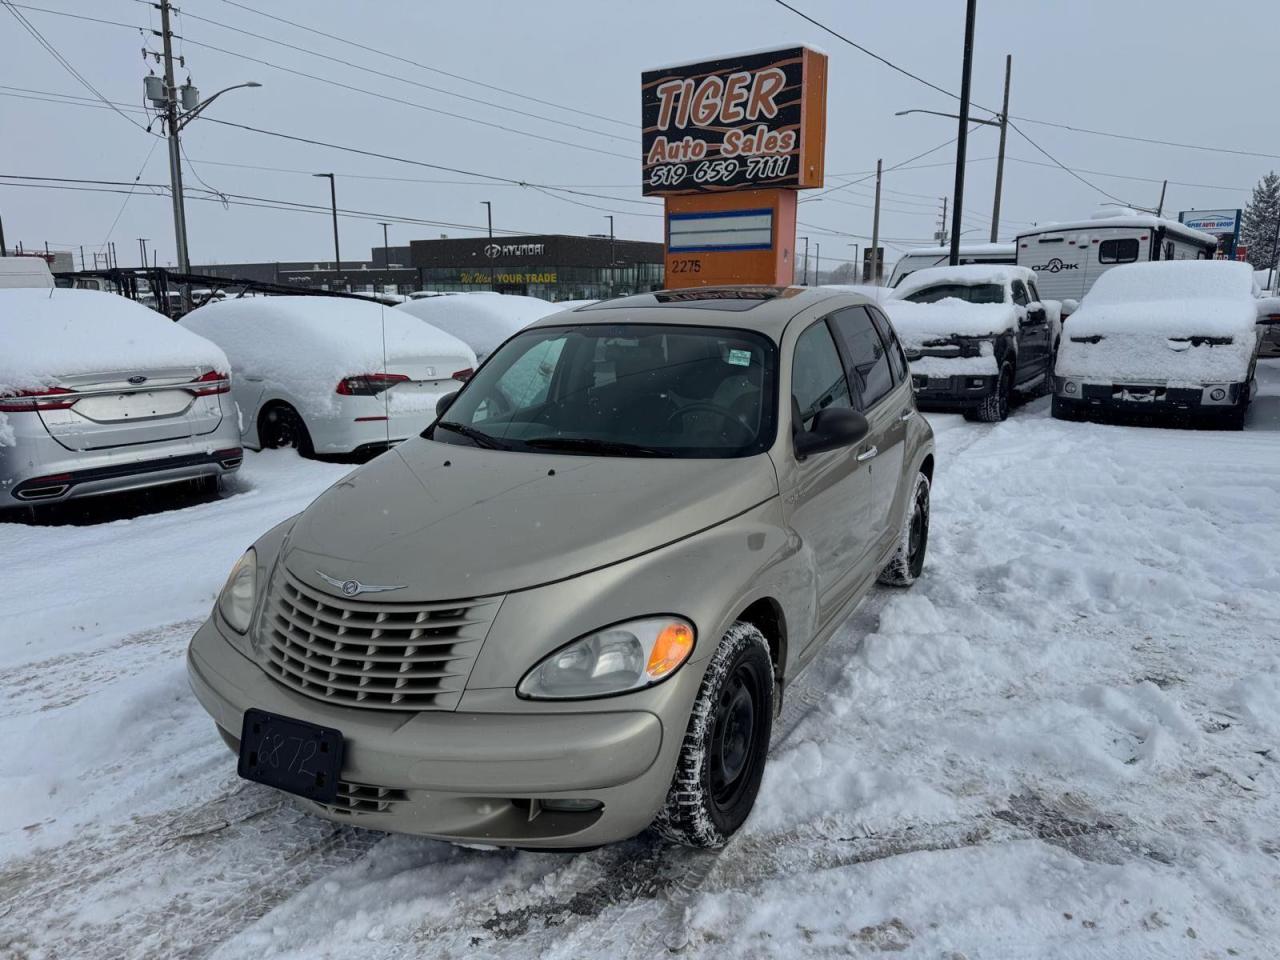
[380,655]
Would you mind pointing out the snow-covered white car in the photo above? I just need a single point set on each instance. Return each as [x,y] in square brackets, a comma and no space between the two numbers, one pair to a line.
[99,394]
[24,272]
[974,336]
[482,320]
[331,375]
[1175,337]
[1269,322]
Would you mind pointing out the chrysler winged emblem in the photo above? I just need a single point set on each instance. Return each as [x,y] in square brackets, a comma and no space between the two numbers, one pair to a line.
[353,588]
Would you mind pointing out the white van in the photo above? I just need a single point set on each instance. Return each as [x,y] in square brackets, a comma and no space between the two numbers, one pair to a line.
[914,260]
[1068,258]
[24,272]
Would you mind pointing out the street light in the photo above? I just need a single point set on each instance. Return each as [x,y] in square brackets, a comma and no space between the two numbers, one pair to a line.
[386,247]
[333,201]
[489,208]
[613,256]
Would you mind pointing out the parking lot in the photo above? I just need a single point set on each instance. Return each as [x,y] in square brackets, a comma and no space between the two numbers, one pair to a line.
[1079,704]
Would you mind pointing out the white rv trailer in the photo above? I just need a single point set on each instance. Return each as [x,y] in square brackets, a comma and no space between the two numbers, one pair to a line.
[1069,257]
[914,260]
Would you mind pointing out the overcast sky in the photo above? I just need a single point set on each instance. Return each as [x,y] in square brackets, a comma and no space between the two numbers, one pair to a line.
[1165,69]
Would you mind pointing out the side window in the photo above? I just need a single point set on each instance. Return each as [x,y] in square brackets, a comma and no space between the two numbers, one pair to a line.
[1020,293]
[526,382]
[1121,250]
[817,376]
[869,371]
[897,359]
[1035,292]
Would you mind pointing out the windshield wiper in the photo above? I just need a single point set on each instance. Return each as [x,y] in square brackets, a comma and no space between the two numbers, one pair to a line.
[478,437]
[591,445]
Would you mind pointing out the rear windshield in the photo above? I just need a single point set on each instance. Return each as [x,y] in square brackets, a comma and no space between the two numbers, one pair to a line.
[650,390]
[972,293]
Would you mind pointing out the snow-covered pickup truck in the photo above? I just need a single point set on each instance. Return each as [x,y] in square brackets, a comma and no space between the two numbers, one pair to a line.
[974,336]
[1177,337]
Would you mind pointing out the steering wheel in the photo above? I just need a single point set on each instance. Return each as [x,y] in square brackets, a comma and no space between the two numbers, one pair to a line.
[724,412]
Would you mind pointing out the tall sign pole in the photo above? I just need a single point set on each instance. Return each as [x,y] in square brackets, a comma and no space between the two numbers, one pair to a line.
[962,136]
[728,143]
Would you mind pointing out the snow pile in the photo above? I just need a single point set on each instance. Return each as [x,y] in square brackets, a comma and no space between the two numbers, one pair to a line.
[1145,315]
[49,334]
[970,275]
[917,323]
[310,343]
[482,320]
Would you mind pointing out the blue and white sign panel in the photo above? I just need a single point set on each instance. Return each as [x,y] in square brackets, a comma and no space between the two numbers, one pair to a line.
[1216,222]
[730,230]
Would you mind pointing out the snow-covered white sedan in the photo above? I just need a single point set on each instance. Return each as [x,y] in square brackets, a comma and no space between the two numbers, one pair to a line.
[974,336]
[331,375]
[1172,337]
[482,320]
[100,394]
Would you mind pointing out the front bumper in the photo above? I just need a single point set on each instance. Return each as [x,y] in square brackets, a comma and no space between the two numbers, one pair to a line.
[1150,397]
[38,469]
[479,774]
[960,392]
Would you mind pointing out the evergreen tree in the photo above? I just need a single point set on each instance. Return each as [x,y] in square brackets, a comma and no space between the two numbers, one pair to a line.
[1258,231]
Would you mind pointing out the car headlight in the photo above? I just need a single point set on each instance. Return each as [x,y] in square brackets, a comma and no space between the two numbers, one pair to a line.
[618,659]
[236,601]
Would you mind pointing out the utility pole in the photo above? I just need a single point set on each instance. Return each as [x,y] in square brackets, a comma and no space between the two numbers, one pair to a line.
[875,230]
[115,258]
[805,281]
[613,255]
[4,251]
[386,247]
[489,207]
[817,264]
[81,255]
[1275,243]
[941,235]
[962,136]
[333,202]
[1163,187]
[1004,129]
[175,155]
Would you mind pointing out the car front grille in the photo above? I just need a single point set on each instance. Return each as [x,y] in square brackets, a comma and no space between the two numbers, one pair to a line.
[355,799]
[379,655]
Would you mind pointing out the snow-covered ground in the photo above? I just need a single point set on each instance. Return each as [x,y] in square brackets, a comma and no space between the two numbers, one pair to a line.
[1065,741]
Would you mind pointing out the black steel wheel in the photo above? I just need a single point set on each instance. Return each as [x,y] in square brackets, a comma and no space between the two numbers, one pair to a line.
[908,562]
[726,744]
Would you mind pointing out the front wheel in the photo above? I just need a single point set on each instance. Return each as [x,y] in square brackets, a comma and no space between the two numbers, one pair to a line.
[723,755]
[905,567]
[995,408]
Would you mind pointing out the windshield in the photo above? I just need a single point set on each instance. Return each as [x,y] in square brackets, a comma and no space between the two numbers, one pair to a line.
[972,293]
[650,390]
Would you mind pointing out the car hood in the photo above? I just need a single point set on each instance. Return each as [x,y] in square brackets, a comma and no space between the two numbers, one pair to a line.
[451,522]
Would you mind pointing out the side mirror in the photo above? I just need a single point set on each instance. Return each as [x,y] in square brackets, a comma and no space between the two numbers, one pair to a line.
[444,403]
[1069,307]
[832,428]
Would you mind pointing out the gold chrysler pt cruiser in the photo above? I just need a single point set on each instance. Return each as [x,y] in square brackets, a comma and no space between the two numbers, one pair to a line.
[570,610]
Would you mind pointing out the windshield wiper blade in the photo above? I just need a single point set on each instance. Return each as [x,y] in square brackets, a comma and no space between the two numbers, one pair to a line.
[591,445]
[478,437]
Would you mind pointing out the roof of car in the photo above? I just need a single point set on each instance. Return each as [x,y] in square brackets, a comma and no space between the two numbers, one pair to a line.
[763,308]
[966,275]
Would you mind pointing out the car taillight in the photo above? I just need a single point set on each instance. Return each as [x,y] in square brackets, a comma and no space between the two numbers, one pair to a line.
[25,401]
[214,382]
[463,375]
[369,384]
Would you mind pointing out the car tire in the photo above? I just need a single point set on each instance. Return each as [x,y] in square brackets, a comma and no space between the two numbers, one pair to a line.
[280,425]
[908,562]
[726,744]
[995,408]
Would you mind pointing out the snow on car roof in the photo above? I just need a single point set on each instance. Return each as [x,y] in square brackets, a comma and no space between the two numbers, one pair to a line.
[1170,298]
[310,343]
[483,320]
[916,323]
[1148,220]
[50,333]
[966,250]
[969,275]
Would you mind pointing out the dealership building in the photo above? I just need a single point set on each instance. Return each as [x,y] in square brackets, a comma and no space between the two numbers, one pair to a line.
[550,266]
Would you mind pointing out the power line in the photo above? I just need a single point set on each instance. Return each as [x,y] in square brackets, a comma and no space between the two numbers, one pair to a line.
[423,66]
[1087,183]
[128,196]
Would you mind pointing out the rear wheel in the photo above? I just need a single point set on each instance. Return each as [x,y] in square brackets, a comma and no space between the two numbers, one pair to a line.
[722,759]
[905,567]
[281,426]
[995,408]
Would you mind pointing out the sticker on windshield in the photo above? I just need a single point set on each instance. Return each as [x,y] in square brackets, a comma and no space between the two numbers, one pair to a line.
[740,358]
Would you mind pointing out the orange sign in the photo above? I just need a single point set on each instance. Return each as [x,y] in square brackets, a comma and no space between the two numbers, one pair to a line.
[735,123]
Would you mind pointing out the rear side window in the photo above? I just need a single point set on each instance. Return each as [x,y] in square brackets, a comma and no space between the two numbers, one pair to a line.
[1020,293]
[817,376]
[1121,250]
[897,359]
[869,372]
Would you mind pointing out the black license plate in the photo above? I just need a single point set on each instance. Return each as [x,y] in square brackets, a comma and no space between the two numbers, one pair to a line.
[291,755]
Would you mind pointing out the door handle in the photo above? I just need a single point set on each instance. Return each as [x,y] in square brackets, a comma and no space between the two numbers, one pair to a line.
[907,414]
[867,454]
[249,379]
